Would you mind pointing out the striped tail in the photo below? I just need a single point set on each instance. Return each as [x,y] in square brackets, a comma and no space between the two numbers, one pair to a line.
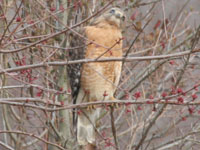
[86,126]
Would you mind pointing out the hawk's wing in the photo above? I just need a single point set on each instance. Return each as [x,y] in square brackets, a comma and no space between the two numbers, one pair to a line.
[76,52]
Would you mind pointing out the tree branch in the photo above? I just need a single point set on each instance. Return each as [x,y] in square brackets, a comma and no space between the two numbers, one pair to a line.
[56,63]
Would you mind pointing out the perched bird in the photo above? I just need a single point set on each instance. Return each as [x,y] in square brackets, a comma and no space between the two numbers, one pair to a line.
[97,81]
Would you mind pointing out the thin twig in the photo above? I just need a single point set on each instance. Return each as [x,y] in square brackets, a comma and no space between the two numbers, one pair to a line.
[113,127]
[18,9]
[159,113]
[6,146]
[57,33]
[32,135]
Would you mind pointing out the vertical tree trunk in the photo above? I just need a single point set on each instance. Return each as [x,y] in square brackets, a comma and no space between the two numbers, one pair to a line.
[65,116]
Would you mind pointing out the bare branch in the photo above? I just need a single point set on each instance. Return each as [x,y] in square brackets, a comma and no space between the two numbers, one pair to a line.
[143,58]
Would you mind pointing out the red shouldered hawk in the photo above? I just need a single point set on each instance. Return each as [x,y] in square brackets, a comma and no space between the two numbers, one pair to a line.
[98,81]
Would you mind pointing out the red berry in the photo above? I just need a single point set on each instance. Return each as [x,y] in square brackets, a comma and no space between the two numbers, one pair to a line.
[157,24]
[134,15]
[69,90]
[149,102]
[191,110]
[137,95]
[17,62]
[62,103]
[172,62]
[79,112]
[184,118]
[18,19]
[194,96]
[62,8]
[104,134]
[162,44]
[127,104]
[52,8]
[108,143]
[180,100]
[39,93]
[126,96]
[164,94]
[173,90]
[128,110]
[179,90]
[151,97]
[105,94]
[30,22]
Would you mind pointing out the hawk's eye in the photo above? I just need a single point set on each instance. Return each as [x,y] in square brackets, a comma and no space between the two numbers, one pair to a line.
[112,11]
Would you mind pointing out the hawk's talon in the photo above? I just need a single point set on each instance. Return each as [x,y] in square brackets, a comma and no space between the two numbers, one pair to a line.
[91,107]
[115,105]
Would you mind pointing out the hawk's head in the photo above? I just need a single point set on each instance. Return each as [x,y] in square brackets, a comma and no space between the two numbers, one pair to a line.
[115,16]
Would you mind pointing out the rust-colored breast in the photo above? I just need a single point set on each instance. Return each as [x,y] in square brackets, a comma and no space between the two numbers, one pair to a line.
[102,77]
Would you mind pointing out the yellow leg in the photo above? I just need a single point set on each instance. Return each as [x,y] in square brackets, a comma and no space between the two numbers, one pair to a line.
[115,105]
[91,107]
